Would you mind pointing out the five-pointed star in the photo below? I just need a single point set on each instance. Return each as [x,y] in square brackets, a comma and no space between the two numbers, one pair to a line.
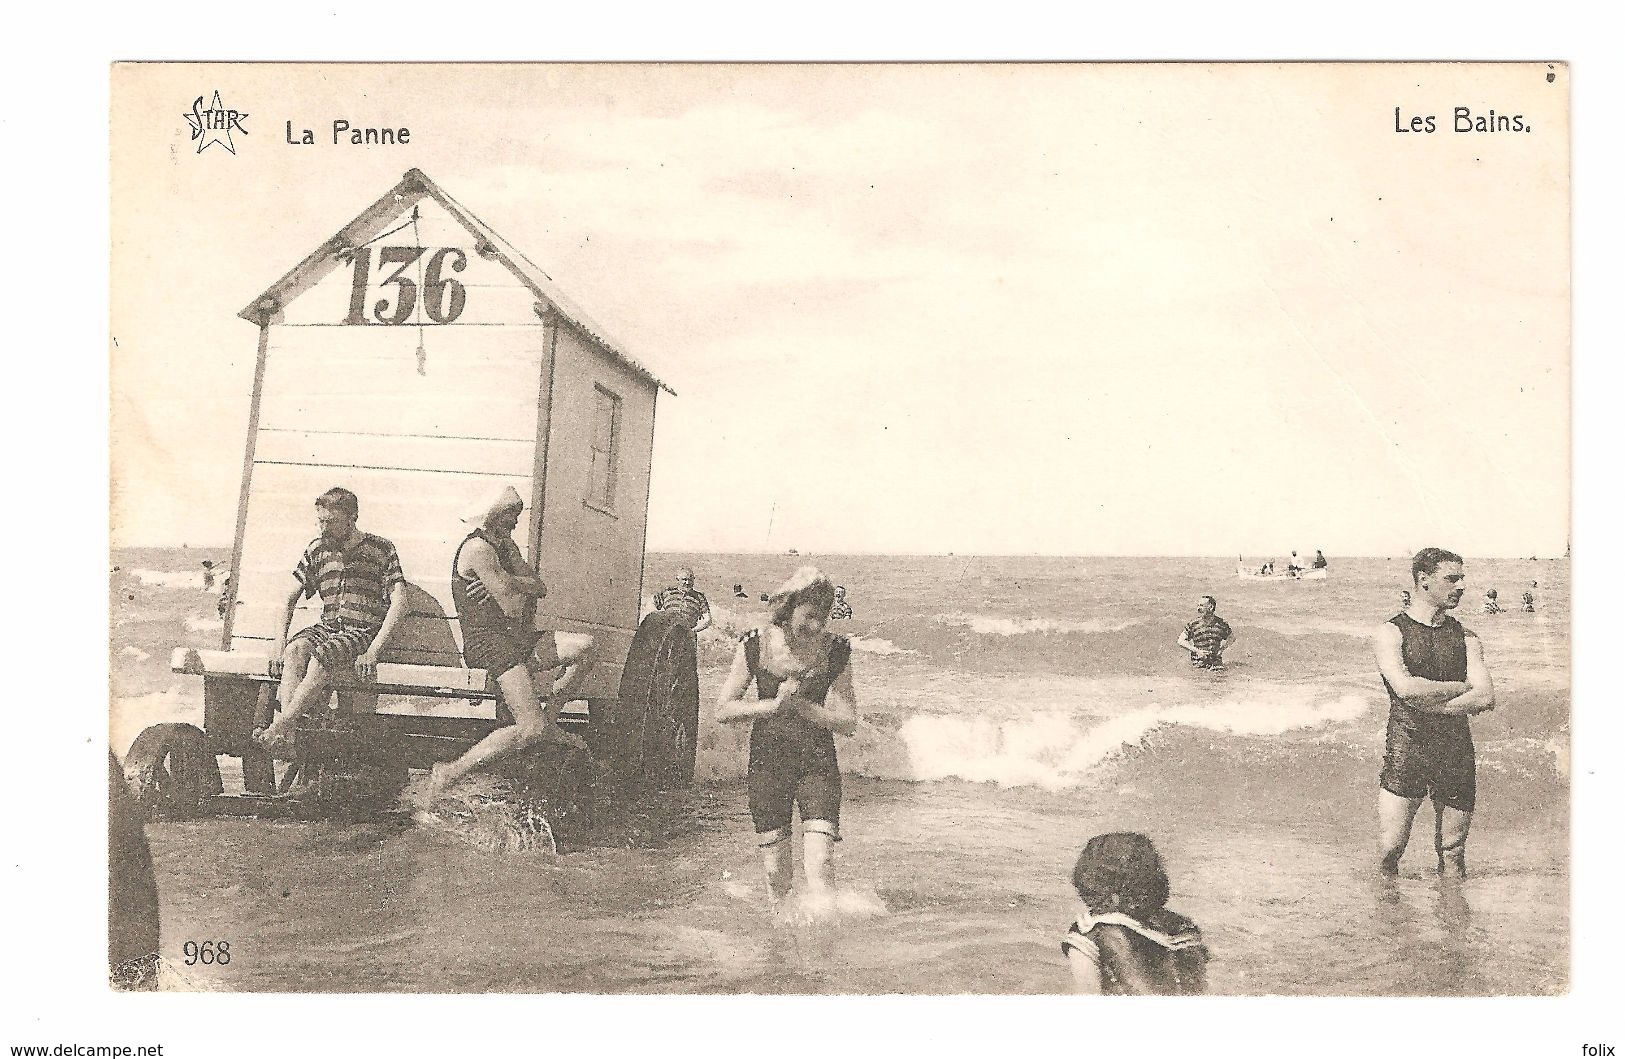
[204,136]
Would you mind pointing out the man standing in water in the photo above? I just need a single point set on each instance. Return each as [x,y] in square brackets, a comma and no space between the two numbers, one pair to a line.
[1436,678]
[686,599]
[1207,637]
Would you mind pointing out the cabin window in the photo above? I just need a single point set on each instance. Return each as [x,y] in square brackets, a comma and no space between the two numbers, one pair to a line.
[606,446]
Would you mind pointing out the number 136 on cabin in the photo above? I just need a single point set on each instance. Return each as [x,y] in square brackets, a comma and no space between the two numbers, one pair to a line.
[443,298]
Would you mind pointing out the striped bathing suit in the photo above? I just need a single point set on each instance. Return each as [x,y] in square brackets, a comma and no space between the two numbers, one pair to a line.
[1206,634]
[355,584]
[691,602]
[492,641]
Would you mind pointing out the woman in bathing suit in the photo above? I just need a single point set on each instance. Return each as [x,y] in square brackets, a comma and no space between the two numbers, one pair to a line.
[495,592]
[803,678]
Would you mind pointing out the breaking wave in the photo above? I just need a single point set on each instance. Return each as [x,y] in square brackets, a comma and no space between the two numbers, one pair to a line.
[1056,751]
[999,625]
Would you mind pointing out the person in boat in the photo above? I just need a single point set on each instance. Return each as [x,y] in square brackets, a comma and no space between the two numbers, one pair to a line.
[1320,560]
[684,598]
[1207,637]
[804,698]
[1492,603]
[1293,567]
[1434,672]
[1125,942]
[363,591]
[842,610]
[536,671]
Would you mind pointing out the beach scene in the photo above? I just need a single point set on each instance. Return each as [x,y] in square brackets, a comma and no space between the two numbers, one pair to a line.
[841,530]
[1011,708]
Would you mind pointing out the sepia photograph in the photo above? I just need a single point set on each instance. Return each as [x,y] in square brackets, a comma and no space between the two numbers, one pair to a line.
[858,529]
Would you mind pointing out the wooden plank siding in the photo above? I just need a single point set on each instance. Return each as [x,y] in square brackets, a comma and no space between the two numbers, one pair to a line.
[349,406]
[594,558]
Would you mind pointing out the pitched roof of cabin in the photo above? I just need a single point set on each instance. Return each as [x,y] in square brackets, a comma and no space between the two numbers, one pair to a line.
[413,187]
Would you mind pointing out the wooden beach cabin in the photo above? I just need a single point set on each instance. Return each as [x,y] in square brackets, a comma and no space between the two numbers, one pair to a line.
[421,361]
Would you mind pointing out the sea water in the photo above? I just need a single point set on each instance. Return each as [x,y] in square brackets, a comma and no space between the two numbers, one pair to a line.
[1012,707]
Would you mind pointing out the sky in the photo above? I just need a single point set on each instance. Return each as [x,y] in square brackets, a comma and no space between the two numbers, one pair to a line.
[983,309]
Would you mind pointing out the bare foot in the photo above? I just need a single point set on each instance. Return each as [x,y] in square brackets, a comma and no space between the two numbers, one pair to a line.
[554,734]
[272,740]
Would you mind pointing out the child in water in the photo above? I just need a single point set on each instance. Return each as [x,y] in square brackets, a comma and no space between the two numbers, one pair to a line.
[1126,942]
[1491,604]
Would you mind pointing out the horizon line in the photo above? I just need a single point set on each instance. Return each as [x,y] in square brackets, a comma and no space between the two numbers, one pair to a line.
[1537,557]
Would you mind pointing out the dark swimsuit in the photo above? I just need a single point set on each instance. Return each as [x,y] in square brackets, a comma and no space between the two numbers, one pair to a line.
[492,641]
[792,760]
[1430,754]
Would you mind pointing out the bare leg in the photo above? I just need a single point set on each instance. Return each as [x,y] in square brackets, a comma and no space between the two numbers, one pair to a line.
[778,861]
[1394,816]
[818,856]
[295,665]
[314,689]
[1450,839]
[574,656]
[519,694]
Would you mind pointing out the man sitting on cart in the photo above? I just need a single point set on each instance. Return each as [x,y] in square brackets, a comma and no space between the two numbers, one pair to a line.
[358,575]
[536,671]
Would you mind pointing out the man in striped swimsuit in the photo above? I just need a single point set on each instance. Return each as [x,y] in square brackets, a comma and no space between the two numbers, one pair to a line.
[684,597]
[1207,637]
[358,575]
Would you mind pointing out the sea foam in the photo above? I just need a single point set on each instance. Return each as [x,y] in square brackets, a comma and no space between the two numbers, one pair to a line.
[1003,625]
[1054,750]
[182,579]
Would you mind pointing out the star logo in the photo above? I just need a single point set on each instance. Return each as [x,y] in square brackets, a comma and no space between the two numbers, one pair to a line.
[214,124]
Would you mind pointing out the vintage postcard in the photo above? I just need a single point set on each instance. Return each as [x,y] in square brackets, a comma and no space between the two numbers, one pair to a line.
[841,529]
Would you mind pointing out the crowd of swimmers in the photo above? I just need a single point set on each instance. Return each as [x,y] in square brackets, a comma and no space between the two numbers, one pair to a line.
[791,680]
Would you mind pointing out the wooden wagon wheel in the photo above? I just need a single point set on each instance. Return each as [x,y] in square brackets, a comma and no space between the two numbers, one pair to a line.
[654,733]
[171,770]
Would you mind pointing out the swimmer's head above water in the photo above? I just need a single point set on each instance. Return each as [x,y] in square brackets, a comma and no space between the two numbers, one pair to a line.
[1121,872]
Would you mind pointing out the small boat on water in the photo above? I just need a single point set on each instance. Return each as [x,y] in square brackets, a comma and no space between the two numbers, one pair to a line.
[1318,574]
